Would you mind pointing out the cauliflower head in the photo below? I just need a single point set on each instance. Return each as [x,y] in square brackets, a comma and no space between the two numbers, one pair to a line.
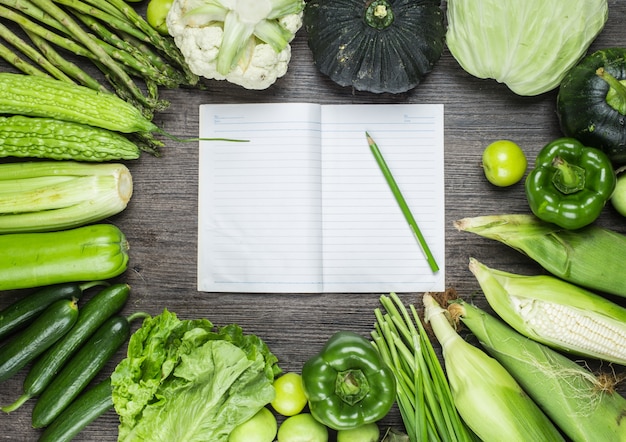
[245,42]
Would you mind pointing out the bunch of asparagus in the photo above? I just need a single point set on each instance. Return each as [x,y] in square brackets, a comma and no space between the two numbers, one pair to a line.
[133,57]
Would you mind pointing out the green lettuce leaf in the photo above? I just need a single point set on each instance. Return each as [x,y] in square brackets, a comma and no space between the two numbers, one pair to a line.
[183,380]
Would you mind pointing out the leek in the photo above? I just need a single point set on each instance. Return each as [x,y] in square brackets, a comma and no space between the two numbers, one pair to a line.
[556,313]
[583,406]
[488,398]
[592,257]
[56,195]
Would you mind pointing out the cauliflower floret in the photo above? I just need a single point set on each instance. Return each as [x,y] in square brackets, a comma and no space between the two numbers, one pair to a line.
[259,66]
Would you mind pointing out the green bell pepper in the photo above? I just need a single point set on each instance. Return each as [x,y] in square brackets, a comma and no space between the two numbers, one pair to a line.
[570,183]
[348,384]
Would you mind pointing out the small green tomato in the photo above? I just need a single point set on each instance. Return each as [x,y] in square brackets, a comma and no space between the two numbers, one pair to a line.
[504,163]
[302,428]
[290,398]
[364,433]
[619,195]
[262,427]
[156,13]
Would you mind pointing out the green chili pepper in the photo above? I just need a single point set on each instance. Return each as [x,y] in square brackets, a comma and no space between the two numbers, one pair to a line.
[348,384]
[570,183]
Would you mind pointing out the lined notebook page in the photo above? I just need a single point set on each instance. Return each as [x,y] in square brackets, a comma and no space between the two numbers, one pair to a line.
[368,244]
[303,206]
[259,220]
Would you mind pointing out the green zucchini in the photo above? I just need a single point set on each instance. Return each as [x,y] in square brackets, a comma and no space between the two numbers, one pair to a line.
[25,310]
[46,97]
[31,137]
[81,412]
[49,327]
[80,370]
[98,251]
[92,315]
[40,196]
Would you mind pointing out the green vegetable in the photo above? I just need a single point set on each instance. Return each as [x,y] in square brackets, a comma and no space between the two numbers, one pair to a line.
[185,380]
[302,427]
[55,321]
[348,384]
[156,13]
[26,309]
[618,200]
[43,196]
[375,46]
[97,251]
[570,183]
[589,257]
[32,137]
[556,313]
[81,412]
[591,104]
[95,312]
[262,427]
[563,389]
[527,45]
[290,398]
[504,163]
[34,96]
[364,433]
[80,370]
[488,398]
[423,393]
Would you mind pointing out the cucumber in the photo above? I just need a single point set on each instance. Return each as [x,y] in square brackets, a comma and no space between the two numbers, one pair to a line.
[22,312]
[49,327]
[80,370]
[92,315]
[81,412]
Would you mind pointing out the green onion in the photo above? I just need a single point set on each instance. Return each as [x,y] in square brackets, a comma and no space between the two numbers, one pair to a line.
[488,398]
[556,313]
[592,257]
[585,407]
[424,398]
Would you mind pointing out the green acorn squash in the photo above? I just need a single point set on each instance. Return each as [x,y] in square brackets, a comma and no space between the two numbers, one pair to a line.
[591,103]
[375,45]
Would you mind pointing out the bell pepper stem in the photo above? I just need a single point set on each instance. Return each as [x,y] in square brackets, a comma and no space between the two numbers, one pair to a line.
[569,177]
[616,97]
[351,386]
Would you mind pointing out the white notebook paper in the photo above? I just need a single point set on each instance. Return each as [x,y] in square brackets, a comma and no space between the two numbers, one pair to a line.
[303,207]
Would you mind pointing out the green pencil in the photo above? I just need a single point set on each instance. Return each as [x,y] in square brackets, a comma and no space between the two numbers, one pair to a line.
[402,202]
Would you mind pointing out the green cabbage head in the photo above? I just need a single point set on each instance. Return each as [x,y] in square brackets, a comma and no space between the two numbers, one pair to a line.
[529,45]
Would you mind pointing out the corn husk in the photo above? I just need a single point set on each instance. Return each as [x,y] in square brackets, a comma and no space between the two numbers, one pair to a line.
[556,313]
[585,407]
[592,257]
[488,398]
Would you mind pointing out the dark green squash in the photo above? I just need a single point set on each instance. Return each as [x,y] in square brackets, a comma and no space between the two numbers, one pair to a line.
[591,103]
[375,45]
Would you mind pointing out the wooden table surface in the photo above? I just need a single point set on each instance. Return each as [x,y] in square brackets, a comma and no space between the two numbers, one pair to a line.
[161,219]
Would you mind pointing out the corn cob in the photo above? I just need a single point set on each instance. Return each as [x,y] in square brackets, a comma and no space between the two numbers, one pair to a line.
[488,398]
[592,257]
[556,313]
[582,405]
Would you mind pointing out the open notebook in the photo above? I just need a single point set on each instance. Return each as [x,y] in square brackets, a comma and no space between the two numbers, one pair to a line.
[303,207]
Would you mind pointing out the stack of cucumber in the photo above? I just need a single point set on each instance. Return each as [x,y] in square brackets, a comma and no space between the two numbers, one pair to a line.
[67,347]
[54,242]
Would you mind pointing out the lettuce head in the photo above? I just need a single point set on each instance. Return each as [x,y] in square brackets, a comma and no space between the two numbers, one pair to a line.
[189,381]
[529,45]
